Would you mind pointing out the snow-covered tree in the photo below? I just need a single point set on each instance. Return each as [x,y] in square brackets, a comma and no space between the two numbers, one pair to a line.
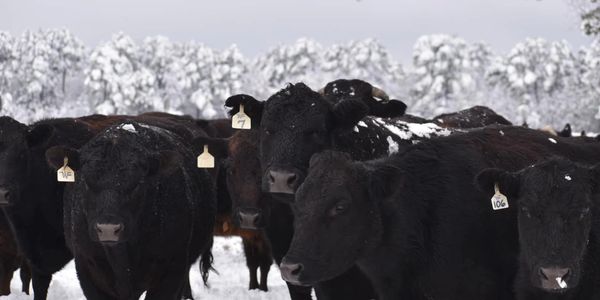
[117,81]
[288,63]
[535,68]
[367,60]
[7,67]
[589,13]
[441,67]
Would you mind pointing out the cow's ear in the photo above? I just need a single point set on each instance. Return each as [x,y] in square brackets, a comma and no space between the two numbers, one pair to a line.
[348,112]
[165,163]
[217,147]
[383,180]
[39,134]
[252,107]
[389,109]
[55,157]
[508,182]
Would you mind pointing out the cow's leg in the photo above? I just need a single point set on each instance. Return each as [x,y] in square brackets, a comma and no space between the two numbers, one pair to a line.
[41,282]
[25,274]
[170,286]
[187,289]
[90,291]
[251,252]
[265,259]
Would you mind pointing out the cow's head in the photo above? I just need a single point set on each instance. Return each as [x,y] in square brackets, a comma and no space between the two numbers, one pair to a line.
[336,222]
[556,200]
[18,145]
[295,123]
[250,209]
[376,99]
[116,177]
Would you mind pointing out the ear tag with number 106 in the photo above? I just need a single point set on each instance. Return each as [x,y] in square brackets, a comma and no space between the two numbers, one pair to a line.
[206,160]
[65,174]
[241,120]
[499,201]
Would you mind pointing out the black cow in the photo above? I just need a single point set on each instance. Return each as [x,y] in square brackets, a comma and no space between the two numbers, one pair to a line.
[473,117]
[32,199]
[415,222]
[251,207]
[139,213]
[297,122]
[558,228]
[31,195]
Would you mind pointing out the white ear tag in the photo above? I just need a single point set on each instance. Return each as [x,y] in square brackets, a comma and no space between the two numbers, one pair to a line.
[206,160]
[241,120]
[499,201]
[65,174]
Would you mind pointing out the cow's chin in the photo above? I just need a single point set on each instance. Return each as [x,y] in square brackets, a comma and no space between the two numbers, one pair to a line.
[315,274]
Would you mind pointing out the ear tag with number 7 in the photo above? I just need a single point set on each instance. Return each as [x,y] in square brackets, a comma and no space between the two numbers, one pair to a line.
[499,201]
[206,160]
[241,120]
[65,174]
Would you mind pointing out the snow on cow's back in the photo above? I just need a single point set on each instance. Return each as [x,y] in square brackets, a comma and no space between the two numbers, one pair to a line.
[397,132]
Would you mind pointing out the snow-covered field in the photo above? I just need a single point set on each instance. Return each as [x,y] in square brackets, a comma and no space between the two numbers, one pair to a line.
[231,283]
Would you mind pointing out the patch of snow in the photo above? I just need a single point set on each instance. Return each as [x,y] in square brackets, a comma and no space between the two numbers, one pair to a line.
[567,177]
[501,133]
[362,124]
[355,128]
[128,127]
[392,145]
[230,283]
[552,140]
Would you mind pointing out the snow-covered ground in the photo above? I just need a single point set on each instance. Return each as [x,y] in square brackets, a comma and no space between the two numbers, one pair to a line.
[231,283]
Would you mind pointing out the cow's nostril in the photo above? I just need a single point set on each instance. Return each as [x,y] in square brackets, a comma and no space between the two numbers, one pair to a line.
[271,177]
[292,179]
[297,269]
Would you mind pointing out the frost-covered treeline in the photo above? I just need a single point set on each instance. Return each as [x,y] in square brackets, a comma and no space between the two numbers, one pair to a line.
[51,73]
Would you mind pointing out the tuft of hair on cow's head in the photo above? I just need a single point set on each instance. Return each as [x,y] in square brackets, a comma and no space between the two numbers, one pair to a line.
[336,222]
[164,163]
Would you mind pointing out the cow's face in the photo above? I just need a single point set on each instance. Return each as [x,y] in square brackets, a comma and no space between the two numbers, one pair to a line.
[556,199]
[18,143]
[336,223]
[251,207]
[116,178]
[297,123]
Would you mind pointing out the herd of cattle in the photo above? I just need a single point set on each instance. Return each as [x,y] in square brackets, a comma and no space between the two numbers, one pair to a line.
[349,195]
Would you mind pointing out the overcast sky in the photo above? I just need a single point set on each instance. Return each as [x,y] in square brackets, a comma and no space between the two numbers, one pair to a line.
[256,25]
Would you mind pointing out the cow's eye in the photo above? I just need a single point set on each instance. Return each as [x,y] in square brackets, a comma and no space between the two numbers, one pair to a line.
[337,210]
[525,211]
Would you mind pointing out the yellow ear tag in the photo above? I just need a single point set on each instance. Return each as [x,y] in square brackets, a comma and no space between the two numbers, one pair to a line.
[65,174]
[206,160]
[499,201]
[241,120]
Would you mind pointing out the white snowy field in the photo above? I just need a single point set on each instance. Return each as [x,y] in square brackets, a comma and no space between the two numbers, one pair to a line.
[231,283]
